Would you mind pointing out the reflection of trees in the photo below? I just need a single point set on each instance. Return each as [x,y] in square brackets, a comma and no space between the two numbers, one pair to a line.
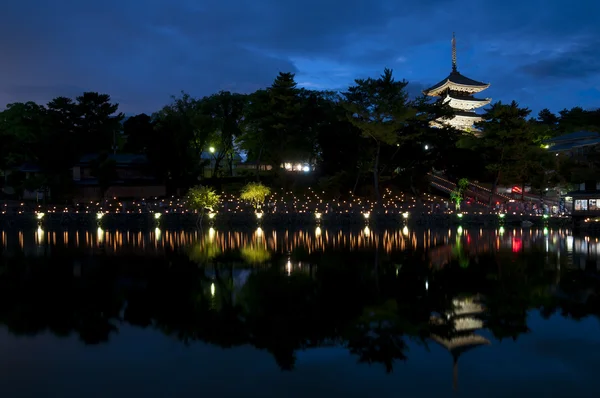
[255,254]
[345,301]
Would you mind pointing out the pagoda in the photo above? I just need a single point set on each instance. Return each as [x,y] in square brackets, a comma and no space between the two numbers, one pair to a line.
[457,91]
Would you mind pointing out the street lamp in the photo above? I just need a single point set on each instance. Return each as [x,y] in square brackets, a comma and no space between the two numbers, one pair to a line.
[211,149]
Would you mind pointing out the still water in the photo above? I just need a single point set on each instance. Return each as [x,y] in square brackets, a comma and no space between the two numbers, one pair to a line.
[311,313]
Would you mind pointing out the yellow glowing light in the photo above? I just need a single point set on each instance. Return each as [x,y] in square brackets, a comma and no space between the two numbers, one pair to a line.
[40,215]
[259,215]
[318,216]
[212,149]
[157,215]
[366,215]
[405,231]
[212,289]
[405,215]
[318,231]
[211,215]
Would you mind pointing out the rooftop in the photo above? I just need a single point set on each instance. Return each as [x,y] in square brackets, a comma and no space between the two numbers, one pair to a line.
[119,158]
[456,79]
[576,136]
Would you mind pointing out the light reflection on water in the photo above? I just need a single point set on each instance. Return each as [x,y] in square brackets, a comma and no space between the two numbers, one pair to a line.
[437,242]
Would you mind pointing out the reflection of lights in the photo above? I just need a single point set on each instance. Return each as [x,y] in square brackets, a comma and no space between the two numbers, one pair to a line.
[288,266]
[545,231]
[405,231]
[318,231]
[318,216]
[157,216]
[570,243]
[459,230]
[99,215]
[367,231]
[40,235]
[211,234]
[259,232]
[157,233]
[501,231]
[100,233]
[426,285]
[212,289]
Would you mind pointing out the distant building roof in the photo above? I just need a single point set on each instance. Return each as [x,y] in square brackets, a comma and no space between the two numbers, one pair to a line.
[579,135]
[119,158]
[567,146]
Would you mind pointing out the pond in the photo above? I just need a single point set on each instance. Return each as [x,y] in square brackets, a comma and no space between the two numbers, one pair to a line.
[299,313]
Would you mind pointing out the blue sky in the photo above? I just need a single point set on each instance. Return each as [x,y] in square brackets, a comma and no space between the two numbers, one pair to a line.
[542,53]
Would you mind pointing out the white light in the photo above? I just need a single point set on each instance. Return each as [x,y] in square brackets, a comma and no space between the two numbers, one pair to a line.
[405,231]
[318,216]
[212,149]
[211,215]
[99,215]
[405,215]
[318,231]
[259,231]
[259,215]
[426,147]
[306,169]
[366,215]
[426,285]
[157,215]
[212,289]
[211,234]
[40,216]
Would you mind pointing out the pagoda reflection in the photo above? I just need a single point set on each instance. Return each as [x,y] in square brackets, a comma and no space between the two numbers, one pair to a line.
[455,329]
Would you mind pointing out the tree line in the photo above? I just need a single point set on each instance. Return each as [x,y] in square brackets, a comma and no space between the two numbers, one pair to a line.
[369,135]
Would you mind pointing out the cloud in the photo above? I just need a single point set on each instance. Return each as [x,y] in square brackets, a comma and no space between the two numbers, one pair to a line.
[141,52]
[580,61]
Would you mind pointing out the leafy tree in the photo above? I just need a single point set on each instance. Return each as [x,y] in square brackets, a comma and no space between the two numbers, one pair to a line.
[202,198]
[182,133]
[98,123]
[458,195]
[506,139]
[224,113]
[139,133]
[255,193]
[379,108]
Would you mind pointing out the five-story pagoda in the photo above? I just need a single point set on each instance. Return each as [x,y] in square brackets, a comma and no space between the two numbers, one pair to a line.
[457,90]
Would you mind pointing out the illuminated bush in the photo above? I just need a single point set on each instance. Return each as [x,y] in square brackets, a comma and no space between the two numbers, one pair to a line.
[255,193]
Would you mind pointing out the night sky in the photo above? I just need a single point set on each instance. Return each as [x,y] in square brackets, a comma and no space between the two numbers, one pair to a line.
[542,53]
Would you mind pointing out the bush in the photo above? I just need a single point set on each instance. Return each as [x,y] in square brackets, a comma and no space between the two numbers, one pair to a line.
[203,198]
[255,193]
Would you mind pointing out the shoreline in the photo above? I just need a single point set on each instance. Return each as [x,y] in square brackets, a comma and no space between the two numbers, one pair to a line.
[248,219]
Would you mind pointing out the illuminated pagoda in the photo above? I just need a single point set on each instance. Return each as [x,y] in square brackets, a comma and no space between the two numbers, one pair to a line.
[455,330]
[457,90]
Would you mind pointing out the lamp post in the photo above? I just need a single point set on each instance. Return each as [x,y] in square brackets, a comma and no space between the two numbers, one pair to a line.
[213,162]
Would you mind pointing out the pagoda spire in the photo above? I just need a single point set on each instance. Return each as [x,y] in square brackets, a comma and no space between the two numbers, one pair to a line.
[453,53]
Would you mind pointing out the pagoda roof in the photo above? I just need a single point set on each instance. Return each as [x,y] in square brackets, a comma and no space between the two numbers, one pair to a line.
[468,98]
[456,81]
[460,343]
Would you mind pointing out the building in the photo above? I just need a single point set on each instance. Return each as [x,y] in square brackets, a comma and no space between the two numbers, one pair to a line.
[574,144]
[585,201]
[133,178]
[457,90]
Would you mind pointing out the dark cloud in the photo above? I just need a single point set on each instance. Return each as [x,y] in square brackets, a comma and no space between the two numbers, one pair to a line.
[580,61]
[141,52]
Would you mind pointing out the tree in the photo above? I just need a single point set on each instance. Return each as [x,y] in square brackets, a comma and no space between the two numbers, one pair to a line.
[182,134]
[224,112]
[139,133]
[379,108]
[255,193]
[274,128]
[98,123]
[202,198]
[458,195]
[21,126]
[507,136]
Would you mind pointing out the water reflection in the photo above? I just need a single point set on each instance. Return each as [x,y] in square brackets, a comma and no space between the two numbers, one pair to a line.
[374,293]
[441,245]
